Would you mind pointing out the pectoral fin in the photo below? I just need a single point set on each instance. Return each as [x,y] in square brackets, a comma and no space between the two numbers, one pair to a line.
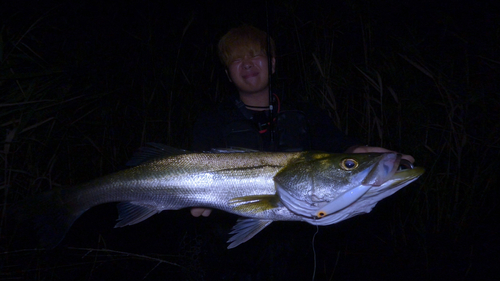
[133,212]
[245,229]
[254,203]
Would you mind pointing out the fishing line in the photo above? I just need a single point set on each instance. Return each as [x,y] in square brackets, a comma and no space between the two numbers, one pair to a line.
[269,73]
[314,252]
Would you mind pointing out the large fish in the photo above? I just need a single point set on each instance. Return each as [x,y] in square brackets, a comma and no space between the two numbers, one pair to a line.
[262,187]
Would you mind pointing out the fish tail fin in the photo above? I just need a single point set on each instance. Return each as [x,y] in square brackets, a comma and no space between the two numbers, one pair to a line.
[48,214]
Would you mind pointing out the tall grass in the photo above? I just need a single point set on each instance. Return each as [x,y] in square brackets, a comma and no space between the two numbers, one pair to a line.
[71,112]
[392,93]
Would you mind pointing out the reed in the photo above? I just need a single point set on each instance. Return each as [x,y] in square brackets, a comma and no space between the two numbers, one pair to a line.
[394,95]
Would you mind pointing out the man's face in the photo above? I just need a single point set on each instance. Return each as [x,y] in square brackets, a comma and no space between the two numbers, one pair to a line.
[249,73]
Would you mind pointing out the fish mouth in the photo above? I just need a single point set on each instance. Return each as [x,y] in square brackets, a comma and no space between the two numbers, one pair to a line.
[405,165]
[383,170]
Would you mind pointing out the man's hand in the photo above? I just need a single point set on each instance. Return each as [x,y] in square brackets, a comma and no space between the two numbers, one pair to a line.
[196,212]
[368,149]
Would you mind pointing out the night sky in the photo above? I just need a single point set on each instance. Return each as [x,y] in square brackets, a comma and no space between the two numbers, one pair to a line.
[123,64]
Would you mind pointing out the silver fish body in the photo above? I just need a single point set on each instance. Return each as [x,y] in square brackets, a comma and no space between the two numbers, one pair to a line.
[315,187]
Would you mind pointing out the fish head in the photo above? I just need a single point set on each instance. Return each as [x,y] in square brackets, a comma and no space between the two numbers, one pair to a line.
[326,188]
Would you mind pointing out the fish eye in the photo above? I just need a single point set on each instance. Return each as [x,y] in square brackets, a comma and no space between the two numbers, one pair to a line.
[349,164]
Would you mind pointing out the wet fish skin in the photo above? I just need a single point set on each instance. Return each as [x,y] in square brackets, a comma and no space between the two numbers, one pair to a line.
[260,186]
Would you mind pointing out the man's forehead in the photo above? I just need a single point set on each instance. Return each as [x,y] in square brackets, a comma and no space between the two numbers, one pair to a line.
[241,51]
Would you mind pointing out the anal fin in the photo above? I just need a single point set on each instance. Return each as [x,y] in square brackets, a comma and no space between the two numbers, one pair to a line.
[245,229]
[134,212]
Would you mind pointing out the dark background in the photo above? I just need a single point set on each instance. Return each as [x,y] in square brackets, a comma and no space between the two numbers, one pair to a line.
[83,84]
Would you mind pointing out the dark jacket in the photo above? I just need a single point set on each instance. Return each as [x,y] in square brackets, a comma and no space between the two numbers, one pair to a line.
[294,128]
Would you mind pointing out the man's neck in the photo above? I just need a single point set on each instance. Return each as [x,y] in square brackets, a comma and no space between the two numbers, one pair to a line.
[256,101]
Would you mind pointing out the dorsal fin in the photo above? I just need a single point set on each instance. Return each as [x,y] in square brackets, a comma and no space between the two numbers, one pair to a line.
[154,151]
[232,150]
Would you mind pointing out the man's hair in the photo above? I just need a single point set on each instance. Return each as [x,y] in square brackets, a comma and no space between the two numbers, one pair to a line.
[243,40]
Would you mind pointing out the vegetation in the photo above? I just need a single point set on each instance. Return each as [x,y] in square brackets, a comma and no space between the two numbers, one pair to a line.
[79,95]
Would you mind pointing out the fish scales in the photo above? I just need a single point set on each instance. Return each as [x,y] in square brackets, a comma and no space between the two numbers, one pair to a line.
[187,175]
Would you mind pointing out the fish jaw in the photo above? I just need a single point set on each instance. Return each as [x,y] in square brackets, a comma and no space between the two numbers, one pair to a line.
[368,201]
[378,178]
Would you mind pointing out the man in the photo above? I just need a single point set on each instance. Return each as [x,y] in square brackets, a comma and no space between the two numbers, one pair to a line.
[245,120]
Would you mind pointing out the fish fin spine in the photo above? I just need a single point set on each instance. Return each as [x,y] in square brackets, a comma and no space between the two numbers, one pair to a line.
[245,229]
